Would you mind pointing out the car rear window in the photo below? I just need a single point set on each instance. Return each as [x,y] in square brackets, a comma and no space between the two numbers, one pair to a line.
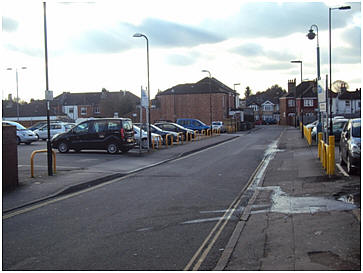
[356,129]
[127,124]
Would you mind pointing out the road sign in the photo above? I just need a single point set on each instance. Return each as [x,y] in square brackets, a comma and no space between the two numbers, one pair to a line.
[321,92]
[322,107]
[144,98]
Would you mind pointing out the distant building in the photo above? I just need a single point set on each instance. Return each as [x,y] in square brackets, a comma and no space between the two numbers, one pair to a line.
[204,100]
[300,103]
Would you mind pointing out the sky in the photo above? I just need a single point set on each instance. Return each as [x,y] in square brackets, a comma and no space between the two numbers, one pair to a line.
[91,45]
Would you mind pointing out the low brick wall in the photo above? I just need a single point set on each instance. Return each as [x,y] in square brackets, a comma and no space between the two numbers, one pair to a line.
[10,158]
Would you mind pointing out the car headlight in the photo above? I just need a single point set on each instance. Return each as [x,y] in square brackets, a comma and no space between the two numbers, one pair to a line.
[355,148]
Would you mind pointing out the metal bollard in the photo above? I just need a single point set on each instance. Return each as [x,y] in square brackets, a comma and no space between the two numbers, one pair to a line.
[320,137]
[32,161]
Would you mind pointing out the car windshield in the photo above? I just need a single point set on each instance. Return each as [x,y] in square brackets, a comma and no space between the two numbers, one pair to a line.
[356,129]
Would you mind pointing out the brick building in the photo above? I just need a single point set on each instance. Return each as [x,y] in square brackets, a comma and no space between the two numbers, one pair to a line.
[300,103]
[206,100]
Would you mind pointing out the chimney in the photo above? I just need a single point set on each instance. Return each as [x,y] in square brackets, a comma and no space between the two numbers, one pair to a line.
[291,86]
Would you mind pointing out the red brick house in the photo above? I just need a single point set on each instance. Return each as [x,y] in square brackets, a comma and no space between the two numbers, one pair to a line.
[206,100]
[300,101]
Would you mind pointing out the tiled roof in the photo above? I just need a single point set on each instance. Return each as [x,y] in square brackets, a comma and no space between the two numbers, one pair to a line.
[350,95]
[203,86]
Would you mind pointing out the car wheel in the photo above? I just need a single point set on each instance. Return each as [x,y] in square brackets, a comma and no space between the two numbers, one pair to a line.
[350,169]
[38,137]
[17,140]
[27,143]
[112,148]
[341,160]
[63,147]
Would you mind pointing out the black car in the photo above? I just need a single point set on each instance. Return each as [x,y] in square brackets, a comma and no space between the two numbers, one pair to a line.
[173,127]
[110,134]
[349,145]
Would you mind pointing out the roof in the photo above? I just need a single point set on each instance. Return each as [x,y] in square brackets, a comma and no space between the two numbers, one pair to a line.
[89,98]
[34,109]
[203,86]
[304,89]
[350,95]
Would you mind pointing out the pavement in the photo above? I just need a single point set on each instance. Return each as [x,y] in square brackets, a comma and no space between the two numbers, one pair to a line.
[294,220]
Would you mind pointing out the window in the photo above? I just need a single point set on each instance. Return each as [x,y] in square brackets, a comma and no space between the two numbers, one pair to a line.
[100,126]
[291,103]
[70,110]
[81,128]
[83,111]
[113,126]
[268,108]
[96,110]
[308,103]
[347,103]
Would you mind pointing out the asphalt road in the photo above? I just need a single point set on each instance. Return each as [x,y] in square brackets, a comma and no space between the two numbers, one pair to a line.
[157,219]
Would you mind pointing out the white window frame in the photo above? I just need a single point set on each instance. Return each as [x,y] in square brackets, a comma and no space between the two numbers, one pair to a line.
[83,111]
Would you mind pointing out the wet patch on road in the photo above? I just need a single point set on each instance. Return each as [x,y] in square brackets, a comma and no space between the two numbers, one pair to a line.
[332,260]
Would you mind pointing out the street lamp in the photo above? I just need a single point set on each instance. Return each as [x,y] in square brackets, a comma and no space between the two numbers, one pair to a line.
[298,62]
[311,35]
[17,90]
[138,35]
[210,98]
[331,99]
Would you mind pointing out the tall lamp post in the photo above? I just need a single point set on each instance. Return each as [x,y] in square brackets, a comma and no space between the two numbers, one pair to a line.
[17,90]
[331,98]
[138,35]
[210,98]
[311,35]
[298,62]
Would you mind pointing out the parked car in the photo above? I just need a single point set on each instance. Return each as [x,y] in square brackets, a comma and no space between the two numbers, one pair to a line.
[157,130]
[218,125]
[23,135]
[110,134]
[41,124]
[55,128]
[192,124]
[173,127]
[312,125]
[338,126]
[349,145]
[144,143]
[260,122]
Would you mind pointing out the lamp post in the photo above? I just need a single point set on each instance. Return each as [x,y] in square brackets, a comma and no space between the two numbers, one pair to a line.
[210,99]
[331,98]
[311,35]
[138,35]
[298,62]
[17,90]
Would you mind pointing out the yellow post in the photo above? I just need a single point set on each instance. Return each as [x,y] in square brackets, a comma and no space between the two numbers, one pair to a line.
[309,134]
[320,137]
[209,132]
[32,161]
[196,135]
[331,155]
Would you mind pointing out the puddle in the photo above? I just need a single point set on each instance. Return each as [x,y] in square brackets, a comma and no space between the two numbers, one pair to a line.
[283,203]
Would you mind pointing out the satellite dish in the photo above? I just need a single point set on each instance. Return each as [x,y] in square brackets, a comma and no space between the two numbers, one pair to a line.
[339,85]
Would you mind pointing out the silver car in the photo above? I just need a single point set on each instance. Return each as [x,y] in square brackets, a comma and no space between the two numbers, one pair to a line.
[23,135]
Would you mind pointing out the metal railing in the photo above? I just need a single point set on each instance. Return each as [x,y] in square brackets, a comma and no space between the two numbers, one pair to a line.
[32,160]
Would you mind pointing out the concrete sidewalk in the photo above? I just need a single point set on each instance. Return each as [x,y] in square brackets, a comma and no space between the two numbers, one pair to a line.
[296,221]
[42,187]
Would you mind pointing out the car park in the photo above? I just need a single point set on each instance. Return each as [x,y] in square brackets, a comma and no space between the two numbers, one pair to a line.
[110,134]
[157,138]
[23,135]
[55,128]
[350,145]
[173,127]
[156,130]
[192,124]
[218,125]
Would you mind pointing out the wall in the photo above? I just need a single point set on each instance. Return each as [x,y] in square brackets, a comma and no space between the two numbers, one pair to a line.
[172,107]
[9,157]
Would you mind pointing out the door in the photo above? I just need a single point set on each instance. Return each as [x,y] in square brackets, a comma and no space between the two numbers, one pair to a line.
[79,137]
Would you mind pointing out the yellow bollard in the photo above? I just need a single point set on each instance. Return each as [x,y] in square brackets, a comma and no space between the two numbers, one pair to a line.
[32,161]
[196,135]
[331,155]
[320,137]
